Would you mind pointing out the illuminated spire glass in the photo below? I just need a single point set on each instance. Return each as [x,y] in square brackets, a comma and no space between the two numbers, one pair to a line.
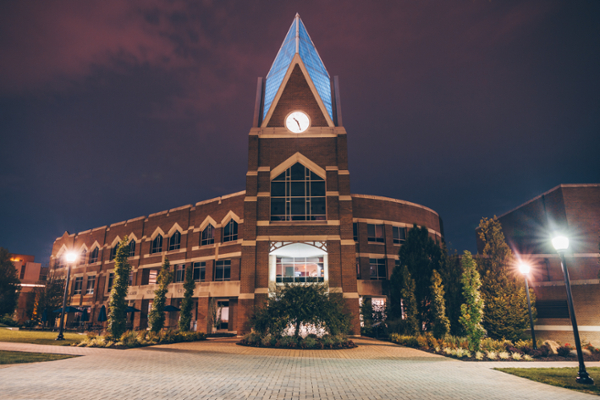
[298,41]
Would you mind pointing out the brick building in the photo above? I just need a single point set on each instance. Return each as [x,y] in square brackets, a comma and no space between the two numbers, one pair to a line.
[573,210]
[31,275]
[297,220]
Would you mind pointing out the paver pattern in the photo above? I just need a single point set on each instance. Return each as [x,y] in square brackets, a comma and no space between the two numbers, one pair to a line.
[219,369]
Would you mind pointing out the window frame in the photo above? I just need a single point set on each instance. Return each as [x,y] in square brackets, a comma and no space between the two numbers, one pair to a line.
[397,238]
[201,268]
[93,258]
[132,248]
[90,279]
[205,240]
[372,237]
[156,247]
[226,266]
[230,231]
[380,266]
[175,241]
[78,285]
[179,271]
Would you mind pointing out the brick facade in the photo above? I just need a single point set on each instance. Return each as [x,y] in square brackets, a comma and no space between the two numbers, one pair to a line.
[272,149]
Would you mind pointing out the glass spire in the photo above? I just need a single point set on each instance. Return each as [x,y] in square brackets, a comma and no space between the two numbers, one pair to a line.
[298,41]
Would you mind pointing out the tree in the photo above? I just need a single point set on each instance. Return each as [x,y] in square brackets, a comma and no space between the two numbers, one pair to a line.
[157,315]
[10,285]
[451,272]
[441,324]
[117,318]
[421,255]
[185,316]
[403,309]
[301,305]
[506,312]
[472,309]
[49,298]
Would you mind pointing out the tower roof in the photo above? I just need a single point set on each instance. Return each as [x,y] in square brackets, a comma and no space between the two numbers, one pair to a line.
[298,41]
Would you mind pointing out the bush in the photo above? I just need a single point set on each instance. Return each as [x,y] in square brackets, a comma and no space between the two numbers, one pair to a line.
[8,320]
[129,339]
[544,350]
[309,343]
[563,351]
[489,344]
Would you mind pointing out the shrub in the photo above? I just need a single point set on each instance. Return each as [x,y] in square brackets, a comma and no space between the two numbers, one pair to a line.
[526,350]
[479,355]
[422,342]
[527,357]
[492,355]
[129,339]
[8,320]
[288,341]
[544,350]
[563,351]
[504,355]
[309,343]
[517,356]
[432,342]
[326,341]
[489,344]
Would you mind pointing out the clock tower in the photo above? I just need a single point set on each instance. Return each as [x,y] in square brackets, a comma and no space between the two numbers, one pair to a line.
[298,225]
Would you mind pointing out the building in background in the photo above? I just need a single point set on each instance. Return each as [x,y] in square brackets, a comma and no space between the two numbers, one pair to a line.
[31,275]
[575,211]
[297,220]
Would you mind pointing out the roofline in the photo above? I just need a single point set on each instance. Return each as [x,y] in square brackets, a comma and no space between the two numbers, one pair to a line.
[562,185]
[408,203]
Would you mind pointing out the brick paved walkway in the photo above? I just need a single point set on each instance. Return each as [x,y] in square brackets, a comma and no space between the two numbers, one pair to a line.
[218,369]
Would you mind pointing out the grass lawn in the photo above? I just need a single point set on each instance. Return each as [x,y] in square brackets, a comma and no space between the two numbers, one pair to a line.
[36,337]
[563,377]
[19,357]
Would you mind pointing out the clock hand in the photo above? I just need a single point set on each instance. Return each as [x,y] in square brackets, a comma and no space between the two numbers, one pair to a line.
[299,127]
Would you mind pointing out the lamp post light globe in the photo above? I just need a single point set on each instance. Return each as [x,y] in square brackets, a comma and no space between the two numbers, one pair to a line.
[525,268]
[560,243]
[70,258]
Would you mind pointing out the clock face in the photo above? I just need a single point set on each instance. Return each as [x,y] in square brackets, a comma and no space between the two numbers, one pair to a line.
[297,122]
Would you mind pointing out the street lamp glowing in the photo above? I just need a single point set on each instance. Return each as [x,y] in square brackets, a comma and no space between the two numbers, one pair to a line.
[560,243]
[524,268]
[70,257]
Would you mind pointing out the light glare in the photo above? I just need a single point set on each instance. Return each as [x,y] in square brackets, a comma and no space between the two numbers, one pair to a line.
[560,243]
[524,268]
[71,256]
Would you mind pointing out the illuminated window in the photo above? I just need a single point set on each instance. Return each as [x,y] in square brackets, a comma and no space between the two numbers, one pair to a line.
[91,283]
[77,285]
[149,276]
[208,235]
[223,270]
[378,269]
[399,234]
[230,231]
[156,245]
[375,233]
[179,273]
[300,269]
[132,248]
[298,194]
[94,256]
[175,241]
[199,271]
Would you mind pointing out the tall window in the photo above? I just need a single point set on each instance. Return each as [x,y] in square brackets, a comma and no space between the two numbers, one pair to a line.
[355,231]
[378,270]
[175,241]
[300,269]
[179,273]
[223,270]
[230,231]
[59,262]
[77,285]
[358,268]
[94,256]
[82,257]
[199,271]
[375,233]
[91,284]
[399,234]
[208,235]
[298,194]
[113,251]
[132,248]
[156,245]
[149,276]
[111,277]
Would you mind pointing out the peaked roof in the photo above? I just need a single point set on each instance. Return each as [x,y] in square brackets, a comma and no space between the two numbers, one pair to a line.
[298,41]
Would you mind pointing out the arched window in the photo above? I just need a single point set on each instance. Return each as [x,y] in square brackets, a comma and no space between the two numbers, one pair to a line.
[156,245]
[230,231]
[113,251]
[82,257]
[208,235]
[175,241]
[132,248]
[298,194]
[94,256]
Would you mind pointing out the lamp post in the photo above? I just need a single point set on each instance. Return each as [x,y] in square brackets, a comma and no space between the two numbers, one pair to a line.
[561,244]
[525,269]
[70,258]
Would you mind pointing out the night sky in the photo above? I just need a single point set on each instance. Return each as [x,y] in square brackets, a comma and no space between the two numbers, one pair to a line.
[111,110]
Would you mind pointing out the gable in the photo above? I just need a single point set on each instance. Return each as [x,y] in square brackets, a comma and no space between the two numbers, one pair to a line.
[297,95]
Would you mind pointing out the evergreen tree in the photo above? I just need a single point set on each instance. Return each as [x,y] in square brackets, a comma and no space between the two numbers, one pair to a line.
[157,315]
[506,312]
[10,285]
[117,303]
[366,312]
[451,272]
[405,310]
[472,309]
[421,255]
[185,316]
[49,297]
[441,323]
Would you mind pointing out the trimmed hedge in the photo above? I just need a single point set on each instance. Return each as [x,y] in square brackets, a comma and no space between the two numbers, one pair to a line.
[132,339]
[309,342]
